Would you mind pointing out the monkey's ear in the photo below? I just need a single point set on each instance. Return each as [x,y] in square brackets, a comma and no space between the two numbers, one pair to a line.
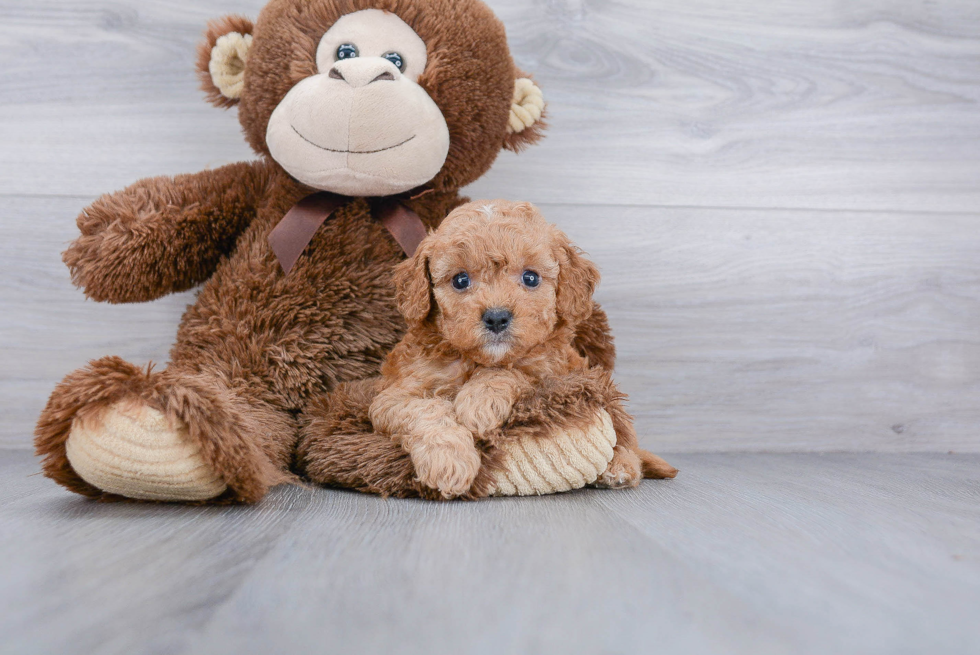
[413,288]
[221,59]
[526,125]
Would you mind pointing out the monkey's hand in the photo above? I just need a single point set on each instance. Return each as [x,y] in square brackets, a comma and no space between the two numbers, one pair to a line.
[163,234]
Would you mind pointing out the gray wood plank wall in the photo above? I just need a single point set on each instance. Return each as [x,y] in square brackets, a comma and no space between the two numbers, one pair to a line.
[783,198]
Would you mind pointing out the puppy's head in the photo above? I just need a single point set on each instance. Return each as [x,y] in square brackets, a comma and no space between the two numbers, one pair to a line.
[495,280]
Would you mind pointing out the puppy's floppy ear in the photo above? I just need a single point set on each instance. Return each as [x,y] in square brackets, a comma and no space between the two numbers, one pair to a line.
[221,59]
[413,288]
[577,280]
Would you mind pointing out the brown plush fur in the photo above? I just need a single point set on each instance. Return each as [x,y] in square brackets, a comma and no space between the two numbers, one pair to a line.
[258,345]
[449,388]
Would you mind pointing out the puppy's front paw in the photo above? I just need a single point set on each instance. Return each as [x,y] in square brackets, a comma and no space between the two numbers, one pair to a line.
[448,467]
[625,470]
[480,413]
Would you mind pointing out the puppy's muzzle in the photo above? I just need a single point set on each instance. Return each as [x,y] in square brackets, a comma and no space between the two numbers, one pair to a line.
[497,320]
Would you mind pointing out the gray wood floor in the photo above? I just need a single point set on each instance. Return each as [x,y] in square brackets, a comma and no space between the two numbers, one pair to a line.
[742,553]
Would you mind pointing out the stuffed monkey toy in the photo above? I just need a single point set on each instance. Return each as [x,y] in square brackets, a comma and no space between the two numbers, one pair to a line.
[368,116]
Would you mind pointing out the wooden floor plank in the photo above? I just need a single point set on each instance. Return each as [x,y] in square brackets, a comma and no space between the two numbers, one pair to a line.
[509,575]
[844,552]
[85,577]
[751,553]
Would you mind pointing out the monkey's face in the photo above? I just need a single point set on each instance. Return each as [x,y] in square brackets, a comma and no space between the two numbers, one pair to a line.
[362,126]
[373,97]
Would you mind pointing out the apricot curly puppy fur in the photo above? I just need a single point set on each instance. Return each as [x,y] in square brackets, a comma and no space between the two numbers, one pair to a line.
[492,300]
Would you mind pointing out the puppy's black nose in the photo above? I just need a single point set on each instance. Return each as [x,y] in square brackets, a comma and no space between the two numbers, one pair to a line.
[497,320]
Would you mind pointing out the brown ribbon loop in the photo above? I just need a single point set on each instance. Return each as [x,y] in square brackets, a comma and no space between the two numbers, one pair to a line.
[403,224]
[296,229]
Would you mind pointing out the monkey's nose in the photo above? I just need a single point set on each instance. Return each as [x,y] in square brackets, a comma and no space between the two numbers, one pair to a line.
[497,320]
[361,71]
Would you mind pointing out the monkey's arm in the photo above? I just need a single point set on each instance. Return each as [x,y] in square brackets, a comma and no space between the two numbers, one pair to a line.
[163,234]
[484,403]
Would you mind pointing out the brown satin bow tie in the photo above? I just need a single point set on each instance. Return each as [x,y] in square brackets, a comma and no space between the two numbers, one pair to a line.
[296,229]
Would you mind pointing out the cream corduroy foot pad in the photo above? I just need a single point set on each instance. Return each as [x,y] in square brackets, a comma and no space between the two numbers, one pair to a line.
[132,450]
[561,462]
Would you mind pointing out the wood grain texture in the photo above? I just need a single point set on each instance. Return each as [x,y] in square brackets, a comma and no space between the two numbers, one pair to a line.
[767,330]
[866,553]
[786,331]
[782,198]
[47,327]
[863,105]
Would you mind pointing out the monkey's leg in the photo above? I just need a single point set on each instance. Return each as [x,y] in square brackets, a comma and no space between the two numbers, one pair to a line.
[571,431]
[114,430]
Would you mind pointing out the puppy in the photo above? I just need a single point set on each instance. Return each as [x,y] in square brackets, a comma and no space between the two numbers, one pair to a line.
[492,299]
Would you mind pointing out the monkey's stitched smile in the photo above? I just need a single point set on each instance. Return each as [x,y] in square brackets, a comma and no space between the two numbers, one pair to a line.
[353,152]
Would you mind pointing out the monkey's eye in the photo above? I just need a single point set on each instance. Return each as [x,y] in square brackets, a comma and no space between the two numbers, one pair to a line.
[461,281]
[531,279]
[396,59]
[346,51]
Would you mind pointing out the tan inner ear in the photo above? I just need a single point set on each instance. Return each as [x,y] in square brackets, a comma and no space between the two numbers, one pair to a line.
[526,108]
[227,66]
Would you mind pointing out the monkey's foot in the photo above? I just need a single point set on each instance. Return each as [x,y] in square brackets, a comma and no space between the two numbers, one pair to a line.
[132,450]
[561,462]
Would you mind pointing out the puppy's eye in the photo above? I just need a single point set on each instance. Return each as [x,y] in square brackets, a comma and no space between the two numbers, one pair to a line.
[461,281]
[396,59]
[531,279]
[346,51]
